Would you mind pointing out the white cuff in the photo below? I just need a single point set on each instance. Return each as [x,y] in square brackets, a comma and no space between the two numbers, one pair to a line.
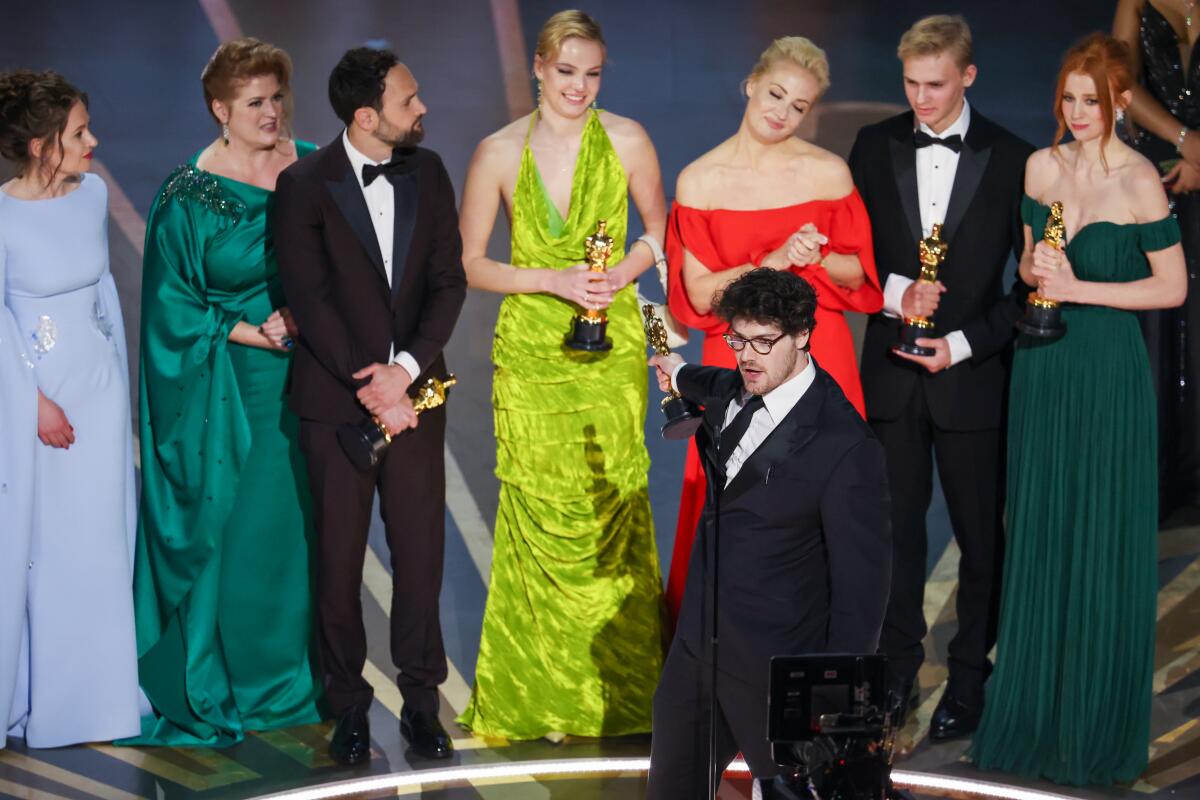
[893,294]
[404,359]
[960,348]
[675,372]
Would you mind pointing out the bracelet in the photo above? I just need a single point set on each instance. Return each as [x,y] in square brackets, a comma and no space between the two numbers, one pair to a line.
[655,248]
[1183,132]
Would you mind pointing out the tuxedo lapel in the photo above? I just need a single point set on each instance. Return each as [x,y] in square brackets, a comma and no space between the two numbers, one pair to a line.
[407,204]
[904,167]
[347,194]
[790,436]
[972,161]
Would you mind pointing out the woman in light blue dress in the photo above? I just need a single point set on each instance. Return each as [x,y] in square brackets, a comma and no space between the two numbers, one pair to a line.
[67,597]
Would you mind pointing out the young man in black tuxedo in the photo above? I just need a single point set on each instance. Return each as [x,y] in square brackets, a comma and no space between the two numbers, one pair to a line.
[798,491]
[366,233]
[943,162]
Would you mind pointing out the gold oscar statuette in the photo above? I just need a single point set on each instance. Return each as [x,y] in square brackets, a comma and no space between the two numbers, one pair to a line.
[932,251]
[1043,316]
[364,443]
[590,327]
[683,416]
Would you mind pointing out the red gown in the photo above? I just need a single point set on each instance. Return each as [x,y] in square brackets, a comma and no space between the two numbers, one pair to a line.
[721,239]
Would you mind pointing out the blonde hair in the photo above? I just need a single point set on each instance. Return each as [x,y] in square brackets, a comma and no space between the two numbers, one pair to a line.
[940,33]
[240,61]
[564,25]
[798,50]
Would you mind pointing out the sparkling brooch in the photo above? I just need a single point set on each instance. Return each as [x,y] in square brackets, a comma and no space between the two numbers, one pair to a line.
[45,336]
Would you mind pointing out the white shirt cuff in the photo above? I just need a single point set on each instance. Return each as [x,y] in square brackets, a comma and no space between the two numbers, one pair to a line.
[404,359]
[893,294]
[674,373]
[960,348]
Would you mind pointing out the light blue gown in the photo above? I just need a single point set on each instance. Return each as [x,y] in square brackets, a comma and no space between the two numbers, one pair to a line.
[66,553]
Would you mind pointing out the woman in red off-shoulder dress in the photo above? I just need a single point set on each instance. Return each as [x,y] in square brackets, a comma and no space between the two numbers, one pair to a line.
[764,198]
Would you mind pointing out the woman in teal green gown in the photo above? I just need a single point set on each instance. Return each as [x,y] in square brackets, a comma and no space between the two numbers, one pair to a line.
[222,578]
[572,633]
[1070,696]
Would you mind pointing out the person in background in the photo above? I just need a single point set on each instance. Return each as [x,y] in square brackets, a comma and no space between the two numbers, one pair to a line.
[572,632]
[1070,698]
[223,576]
[68,655]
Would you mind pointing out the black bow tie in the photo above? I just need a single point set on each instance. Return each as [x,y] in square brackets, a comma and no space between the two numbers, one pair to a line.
[402,162]
[923,139]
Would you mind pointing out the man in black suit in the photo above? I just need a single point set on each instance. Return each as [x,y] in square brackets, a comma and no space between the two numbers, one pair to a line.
[942,162]
[367,238]
[798,500]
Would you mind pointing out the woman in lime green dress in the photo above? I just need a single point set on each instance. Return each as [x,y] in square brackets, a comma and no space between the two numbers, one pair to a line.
[572,634]
[1070,697]
[222,586]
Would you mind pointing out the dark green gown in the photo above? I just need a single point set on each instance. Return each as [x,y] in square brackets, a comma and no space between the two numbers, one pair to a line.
[222,580]
[1070,697]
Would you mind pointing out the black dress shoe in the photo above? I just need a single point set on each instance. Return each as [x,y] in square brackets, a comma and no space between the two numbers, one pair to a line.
[425,735]
[954,718]
[351,742]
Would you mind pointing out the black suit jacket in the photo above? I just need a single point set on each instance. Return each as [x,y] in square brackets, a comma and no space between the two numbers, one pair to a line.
[805,532]
[983,228]
[336,286]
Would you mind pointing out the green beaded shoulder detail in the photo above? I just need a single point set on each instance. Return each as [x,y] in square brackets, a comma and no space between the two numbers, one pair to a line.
[197,186]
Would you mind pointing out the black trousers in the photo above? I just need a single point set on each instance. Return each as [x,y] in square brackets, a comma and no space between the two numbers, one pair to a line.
[679,749]
[971,468]
[411,479]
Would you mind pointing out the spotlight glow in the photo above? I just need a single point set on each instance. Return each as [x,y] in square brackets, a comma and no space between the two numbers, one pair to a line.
[610,766]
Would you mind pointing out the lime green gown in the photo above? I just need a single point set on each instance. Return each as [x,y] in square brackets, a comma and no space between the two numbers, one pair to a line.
[1070,697]
[222,580]
[572,632]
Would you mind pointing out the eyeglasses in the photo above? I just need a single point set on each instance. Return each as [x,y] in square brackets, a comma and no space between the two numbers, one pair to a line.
[761,346]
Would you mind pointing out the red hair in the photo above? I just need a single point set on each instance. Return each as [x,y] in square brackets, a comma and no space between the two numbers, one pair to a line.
[1106,61]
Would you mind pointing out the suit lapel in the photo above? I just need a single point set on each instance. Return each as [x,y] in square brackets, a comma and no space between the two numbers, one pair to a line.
[972,161]
[407,204]
[904,167]
[348,195]
[791,435]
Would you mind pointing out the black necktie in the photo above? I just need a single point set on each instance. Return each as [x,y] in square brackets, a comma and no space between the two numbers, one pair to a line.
[923,139]
[402,162]
[732,433]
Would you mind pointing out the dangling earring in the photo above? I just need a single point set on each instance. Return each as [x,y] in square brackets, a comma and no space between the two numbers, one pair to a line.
[1120,116]
[225,132]
[595,106]
[539,93]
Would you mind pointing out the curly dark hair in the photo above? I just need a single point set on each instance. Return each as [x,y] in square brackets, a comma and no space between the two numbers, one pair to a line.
[357,81]
[33,106]
[769,297]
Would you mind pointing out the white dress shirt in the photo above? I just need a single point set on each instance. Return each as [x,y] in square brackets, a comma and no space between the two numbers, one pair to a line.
[777,403]
[936,167]
[381,203]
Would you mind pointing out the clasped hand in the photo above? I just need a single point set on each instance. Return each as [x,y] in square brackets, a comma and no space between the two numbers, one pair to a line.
[663,367]
[921,298]
[584,288]
[799,250]
[1055,277]
[280,329]
[386,396]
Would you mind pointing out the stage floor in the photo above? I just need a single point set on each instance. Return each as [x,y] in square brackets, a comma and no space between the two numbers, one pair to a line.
[675,66]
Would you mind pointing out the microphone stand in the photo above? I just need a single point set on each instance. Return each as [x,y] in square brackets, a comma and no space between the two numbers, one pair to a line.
[714,495]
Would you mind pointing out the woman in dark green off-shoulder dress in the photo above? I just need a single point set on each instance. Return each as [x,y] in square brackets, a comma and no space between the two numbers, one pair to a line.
[1070,696]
